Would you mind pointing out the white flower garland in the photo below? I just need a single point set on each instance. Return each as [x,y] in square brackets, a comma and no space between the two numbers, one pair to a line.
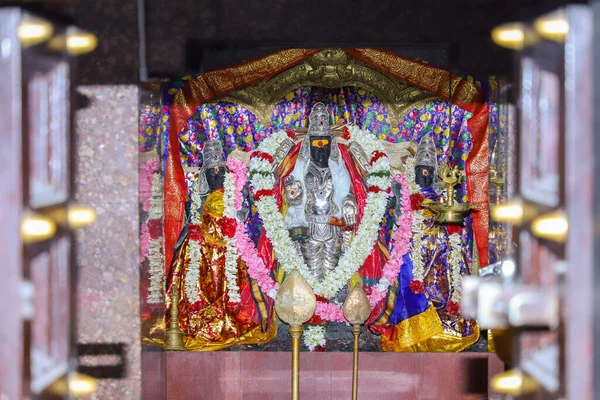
[454,261]
[417,225]
[196,206]
[273,221]
[154,254]
[156,201]
[314,336]
[231,253]
[156,271]
[192,275]
[454,242]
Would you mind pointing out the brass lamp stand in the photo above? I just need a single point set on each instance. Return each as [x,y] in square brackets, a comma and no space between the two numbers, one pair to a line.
[356,310]
[449,212]
[174,336]
[295,304]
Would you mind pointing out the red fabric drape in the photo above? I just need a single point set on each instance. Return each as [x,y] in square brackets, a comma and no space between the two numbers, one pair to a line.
[466,96]
[198,91]
[435,80]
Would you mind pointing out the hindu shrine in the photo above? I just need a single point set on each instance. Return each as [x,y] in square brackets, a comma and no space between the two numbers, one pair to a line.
[300,200]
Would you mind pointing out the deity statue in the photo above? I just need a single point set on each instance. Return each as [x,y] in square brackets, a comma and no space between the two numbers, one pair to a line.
[438,263]
[321,208]
[322,193]
[207,317]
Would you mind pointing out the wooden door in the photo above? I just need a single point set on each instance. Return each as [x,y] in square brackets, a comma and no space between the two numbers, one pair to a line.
[37,286]
[555,181]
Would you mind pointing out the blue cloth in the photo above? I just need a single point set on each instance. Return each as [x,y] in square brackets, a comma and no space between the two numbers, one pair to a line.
[408,304]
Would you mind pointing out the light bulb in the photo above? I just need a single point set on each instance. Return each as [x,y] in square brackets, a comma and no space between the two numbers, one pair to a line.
[511,36]
[514,35]
[82,385]
[511,212]
[80,42]
[33,31]
[514,383]
[553,26]
[36,228]
[80,216]
[553,226]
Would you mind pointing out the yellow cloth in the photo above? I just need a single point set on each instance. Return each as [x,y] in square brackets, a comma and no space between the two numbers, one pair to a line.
[413,330]
[211,322]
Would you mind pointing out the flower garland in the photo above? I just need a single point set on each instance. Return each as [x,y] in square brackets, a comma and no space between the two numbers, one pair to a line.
[454,243]
[400,243]
[330,312]
[418,222]
[151,197]
[236,172]
[263,182]
[314,336]
[232,189]
[192,274]
[454,261]
[196,205]
[156,272]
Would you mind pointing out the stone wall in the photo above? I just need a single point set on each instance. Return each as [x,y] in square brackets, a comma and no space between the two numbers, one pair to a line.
[106,163]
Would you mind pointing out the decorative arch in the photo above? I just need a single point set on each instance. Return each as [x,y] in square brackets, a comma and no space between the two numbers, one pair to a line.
[399,82]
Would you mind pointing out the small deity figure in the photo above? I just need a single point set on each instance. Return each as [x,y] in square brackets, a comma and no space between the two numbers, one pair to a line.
[459,333]
[207,317]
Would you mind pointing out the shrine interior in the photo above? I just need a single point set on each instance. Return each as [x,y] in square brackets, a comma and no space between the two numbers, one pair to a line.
[317,199]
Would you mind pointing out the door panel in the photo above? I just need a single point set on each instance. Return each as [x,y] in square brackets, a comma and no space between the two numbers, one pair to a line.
[37,286]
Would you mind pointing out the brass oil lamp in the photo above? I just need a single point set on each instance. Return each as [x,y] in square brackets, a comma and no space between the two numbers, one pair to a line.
[449,212]
[174,335]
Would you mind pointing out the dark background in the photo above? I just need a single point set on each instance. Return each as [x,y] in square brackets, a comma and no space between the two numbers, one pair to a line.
[192,36]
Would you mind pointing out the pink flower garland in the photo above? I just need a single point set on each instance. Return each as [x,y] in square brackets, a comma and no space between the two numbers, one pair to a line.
[400,242]
[239,169]
[326,311]
[330,312]
[246,249]
[147,169]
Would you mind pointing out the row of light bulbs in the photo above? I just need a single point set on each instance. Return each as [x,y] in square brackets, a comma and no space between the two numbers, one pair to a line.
[517,35]
[36,227]
[35,31]
[552,225]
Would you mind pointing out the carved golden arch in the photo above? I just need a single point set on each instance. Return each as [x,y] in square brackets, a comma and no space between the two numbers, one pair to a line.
[331,68]
[287,70]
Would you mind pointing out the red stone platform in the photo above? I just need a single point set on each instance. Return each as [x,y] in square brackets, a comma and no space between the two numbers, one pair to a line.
[266,375]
